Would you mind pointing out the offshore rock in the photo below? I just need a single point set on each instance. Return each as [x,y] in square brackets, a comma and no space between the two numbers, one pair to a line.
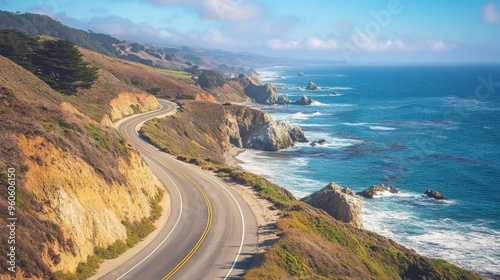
[311,86]
[393,189]
[372,191]
[340,203]
[304,100]
[435,195]
[283,100]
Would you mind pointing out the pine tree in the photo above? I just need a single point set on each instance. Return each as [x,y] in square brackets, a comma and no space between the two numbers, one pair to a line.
[18,47]
[61,66]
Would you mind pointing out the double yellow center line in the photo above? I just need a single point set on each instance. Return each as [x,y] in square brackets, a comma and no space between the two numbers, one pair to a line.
[209,215]
[205,232]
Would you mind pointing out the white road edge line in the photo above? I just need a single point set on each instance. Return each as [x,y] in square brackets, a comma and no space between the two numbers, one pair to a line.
[165,239]
[242,219]
[171,231]
[178,219]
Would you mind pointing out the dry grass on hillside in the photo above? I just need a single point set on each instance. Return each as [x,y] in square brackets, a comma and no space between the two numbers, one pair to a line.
[28,107]
[161,82]
[197,130]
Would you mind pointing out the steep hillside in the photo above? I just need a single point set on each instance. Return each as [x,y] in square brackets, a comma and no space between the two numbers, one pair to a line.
[34,24]
[207,130]
[63,218]
[313,244]
[160,82]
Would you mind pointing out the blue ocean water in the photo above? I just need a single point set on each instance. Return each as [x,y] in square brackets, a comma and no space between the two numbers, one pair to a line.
[415,128]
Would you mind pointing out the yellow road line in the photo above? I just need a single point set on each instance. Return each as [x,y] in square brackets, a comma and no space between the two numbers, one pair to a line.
[209,215]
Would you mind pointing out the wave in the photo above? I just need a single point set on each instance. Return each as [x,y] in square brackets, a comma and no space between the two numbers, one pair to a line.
[471,245]
[342,88]
[332,142]
[358,124]
[302,116]
[314,125]
[271,168]
[381,128]
[469,104]
[317,103]
[387,193]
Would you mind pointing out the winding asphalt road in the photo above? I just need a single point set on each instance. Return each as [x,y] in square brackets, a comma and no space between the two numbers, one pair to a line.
[211,232]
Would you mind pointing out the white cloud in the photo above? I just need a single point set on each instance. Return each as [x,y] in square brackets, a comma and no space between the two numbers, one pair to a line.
[439,45]
[314,43]
[310,43]
[364,43]
[367,43]
[230,9]
[490,13]
[233,10]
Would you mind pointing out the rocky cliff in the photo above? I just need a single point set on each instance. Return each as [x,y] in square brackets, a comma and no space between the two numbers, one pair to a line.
[207,130]
[340,203]
[88,209]
[129,103]
[253,129]
[263,94]
[78,181]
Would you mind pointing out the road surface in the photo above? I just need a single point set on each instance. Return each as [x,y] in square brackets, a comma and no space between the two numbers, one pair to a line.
[211,232]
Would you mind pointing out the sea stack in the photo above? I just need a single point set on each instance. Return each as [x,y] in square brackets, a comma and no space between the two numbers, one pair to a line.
[435,195]
[311,86]
[304,101]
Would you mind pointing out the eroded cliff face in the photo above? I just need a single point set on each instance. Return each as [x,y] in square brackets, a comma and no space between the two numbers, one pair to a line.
[254,129]
[203,96]
[128,103]
[88,209]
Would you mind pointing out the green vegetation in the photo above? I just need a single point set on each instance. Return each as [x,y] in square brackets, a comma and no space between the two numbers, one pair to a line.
[61,66]
[57,63]
[34,24]
[195,132]
[185,97]
[210,79]
[19,48]
[96,133]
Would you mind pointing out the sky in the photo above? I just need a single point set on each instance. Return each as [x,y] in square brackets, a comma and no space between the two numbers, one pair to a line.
[355,31]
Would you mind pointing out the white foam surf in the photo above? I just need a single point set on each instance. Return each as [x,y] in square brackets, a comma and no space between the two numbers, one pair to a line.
[381,128]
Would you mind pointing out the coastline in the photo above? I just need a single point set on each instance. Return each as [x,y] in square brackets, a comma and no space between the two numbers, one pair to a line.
[231,156]
[415,198]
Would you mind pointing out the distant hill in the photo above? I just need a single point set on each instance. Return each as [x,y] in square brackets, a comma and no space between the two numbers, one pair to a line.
[34,24]
[178,58]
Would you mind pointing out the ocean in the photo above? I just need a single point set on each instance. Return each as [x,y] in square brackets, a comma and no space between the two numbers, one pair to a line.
[415,128]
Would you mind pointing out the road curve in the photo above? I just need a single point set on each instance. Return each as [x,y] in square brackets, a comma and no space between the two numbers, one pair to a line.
[211,232]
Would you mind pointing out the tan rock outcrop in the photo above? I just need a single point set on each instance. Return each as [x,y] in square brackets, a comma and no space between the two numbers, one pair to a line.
[203,96]
[88,209]
[342,204]
[128,103]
